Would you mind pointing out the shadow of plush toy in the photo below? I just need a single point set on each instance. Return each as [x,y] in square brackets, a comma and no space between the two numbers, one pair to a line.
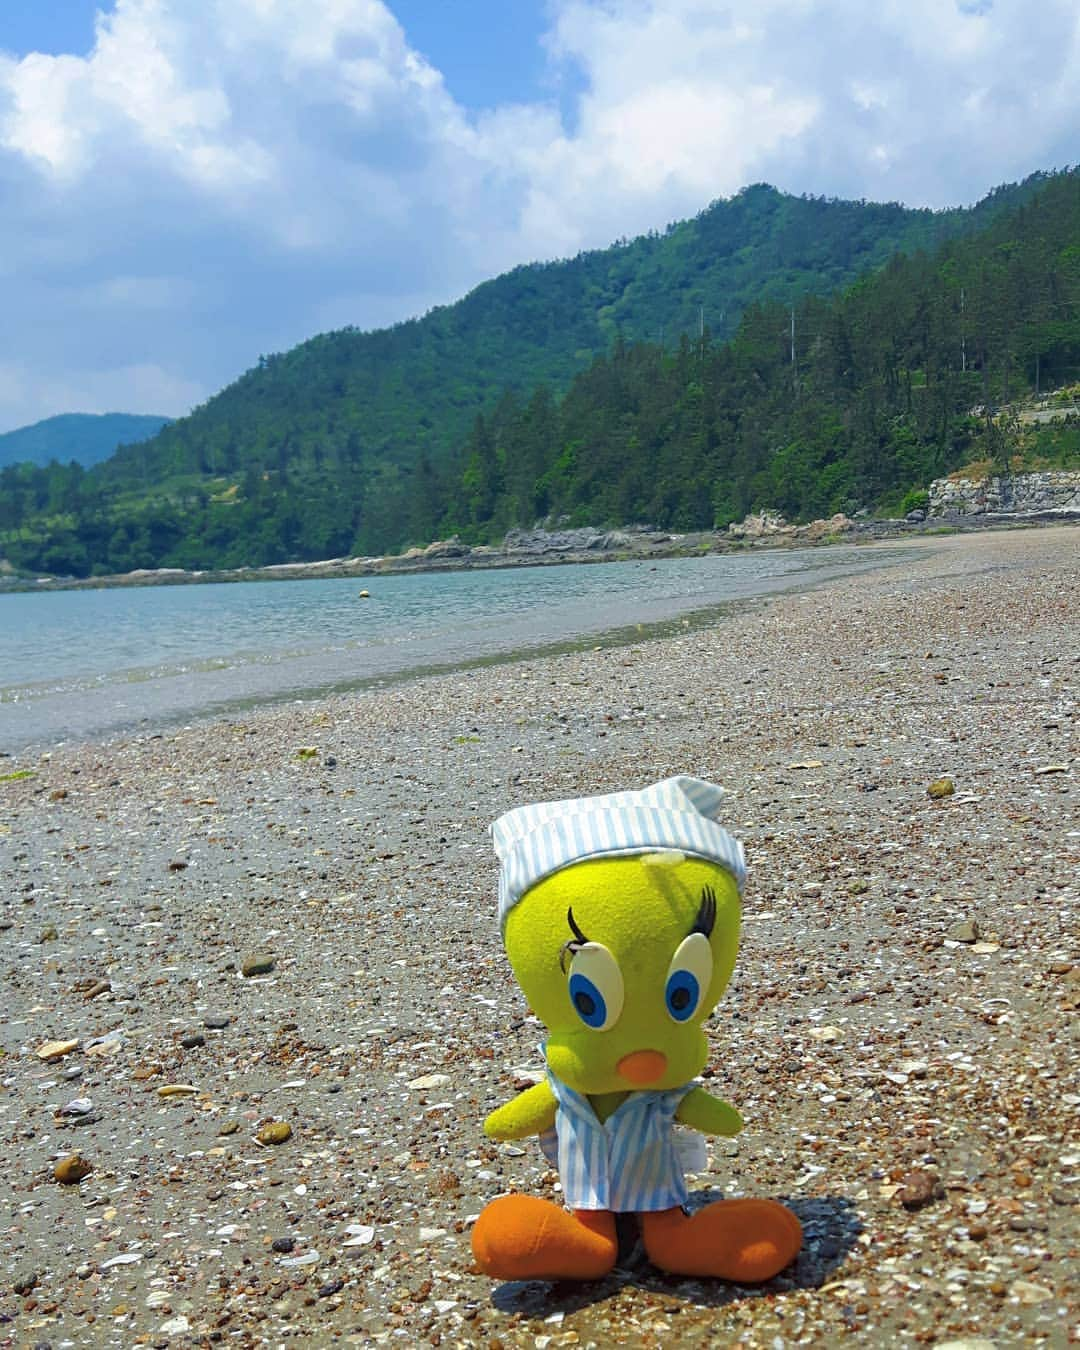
[620,916]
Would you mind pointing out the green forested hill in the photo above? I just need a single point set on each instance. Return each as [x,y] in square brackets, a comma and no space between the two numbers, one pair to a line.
[363,442]
[888,384]
[86,438]
[375,403]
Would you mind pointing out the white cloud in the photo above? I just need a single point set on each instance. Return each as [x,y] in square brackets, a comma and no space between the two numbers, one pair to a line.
[925,101]
[220,178]
[202,186]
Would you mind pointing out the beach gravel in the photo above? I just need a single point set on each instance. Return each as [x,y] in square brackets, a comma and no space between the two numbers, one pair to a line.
[900,1033]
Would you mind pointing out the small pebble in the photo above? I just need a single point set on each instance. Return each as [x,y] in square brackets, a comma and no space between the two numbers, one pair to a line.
[917,1188]
[71,1170]
[275,1132]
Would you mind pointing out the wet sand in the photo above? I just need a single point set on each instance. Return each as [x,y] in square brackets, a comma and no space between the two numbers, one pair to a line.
[901,1024]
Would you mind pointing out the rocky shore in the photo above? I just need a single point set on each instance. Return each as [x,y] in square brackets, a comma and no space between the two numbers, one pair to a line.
[256,1008]
[520,548]
[955,504]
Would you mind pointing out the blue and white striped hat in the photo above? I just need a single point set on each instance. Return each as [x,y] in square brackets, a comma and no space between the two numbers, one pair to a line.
[679,814]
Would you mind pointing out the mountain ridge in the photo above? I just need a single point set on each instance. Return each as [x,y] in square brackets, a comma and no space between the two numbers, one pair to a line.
[86,438]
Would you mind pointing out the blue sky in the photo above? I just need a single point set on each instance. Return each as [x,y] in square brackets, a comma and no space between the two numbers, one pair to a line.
[489,51]
[190,183]
[37,26]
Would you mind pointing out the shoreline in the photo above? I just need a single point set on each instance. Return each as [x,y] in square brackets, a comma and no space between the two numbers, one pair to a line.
[540,548]
[900,1006]
[277,682]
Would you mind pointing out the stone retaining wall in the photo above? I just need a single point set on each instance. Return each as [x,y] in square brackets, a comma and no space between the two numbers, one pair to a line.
[1054,491]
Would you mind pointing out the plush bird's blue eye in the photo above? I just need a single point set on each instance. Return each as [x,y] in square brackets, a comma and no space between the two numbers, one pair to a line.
[682,994]
[596,986]
[588,1001]
[688,977]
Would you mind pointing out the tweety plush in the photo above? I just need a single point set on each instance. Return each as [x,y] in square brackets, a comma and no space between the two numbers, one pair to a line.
[620,915]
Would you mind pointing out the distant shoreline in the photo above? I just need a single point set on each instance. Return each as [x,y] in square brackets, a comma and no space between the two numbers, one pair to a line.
[542,548]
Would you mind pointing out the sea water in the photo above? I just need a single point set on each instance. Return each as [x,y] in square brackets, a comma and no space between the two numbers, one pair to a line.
[84,663]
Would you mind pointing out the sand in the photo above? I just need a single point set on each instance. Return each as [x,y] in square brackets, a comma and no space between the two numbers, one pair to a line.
[901,1024]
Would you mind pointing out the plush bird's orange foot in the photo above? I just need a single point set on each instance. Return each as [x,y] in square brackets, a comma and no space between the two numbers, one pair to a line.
[521,1237]
[745,1241]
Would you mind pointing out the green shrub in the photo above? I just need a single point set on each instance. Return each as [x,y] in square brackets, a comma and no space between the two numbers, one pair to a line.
[916,500]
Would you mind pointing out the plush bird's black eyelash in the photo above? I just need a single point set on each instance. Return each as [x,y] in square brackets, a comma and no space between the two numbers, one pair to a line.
[574,928]
[576,942]
[706,915]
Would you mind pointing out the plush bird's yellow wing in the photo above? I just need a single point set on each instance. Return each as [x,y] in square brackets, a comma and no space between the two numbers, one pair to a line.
[708,1114]
[531,1113]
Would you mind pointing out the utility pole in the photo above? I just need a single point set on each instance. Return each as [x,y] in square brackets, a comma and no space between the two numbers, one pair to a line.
[963,335]
[794,367]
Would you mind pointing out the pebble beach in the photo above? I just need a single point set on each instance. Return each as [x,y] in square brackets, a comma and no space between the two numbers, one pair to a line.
[255,1006]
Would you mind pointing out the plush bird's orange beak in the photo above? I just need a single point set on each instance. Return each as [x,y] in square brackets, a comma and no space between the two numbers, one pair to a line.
[642,1067]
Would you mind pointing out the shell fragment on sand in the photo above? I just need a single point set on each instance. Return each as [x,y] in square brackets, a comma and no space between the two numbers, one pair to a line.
[56,1049]
[430,1080]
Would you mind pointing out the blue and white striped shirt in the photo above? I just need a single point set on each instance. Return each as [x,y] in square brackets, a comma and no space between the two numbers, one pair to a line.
[629,1163]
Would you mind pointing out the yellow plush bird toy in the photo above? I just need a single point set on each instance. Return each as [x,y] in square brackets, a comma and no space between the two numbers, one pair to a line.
[620,916]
